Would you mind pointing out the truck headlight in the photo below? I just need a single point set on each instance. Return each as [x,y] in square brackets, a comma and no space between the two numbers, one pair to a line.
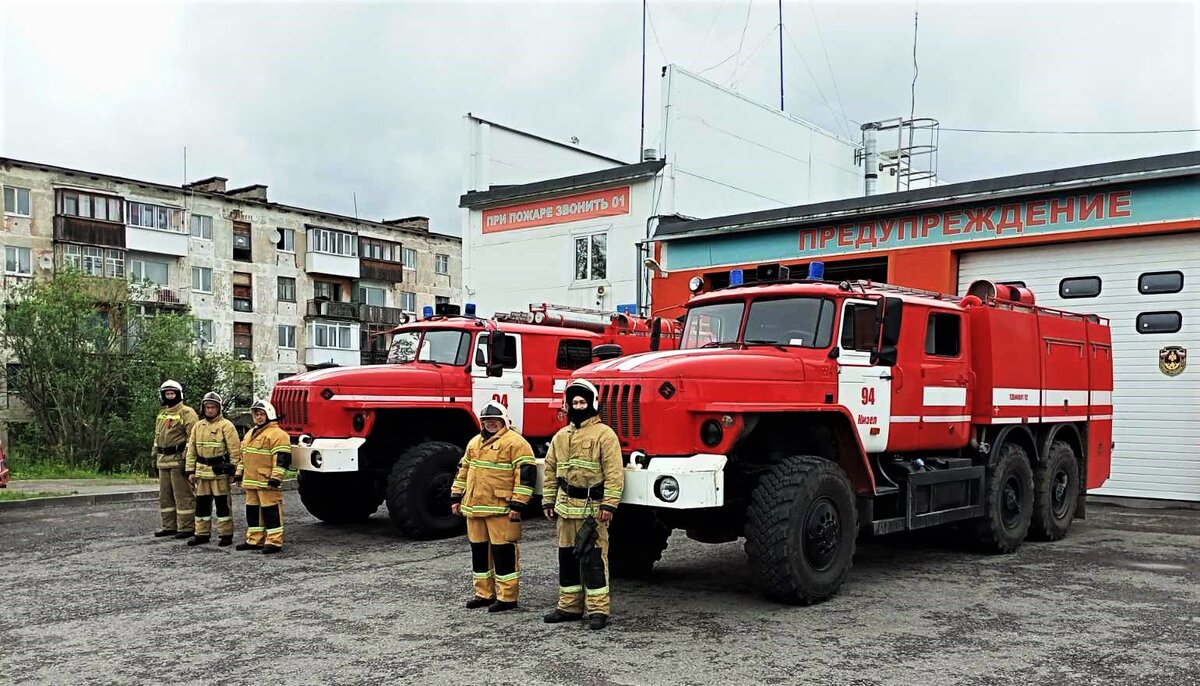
[316,459]
[667,489]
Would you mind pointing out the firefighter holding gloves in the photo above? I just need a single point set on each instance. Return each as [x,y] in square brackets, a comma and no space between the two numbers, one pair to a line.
[582,488]
[213,453]
[266,455]
[494,483]
[172,428]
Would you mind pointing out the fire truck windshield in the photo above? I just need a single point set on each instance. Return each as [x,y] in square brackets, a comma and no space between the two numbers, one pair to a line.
[437,346]
[804,322]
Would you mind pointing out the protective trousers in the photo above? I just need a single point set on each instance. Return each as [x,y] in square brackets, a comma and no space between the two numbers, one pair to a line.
[495,556]
[264,516]
[210,492]
[176,501]
[582,584]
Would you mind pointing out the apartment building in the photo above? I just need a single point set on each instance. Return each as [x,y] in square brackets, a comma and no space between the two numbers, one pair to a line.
[288,288]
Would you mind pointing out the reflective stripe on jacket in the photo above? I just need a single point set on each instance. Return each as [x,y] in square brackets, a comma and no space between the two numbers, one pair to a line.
[211,439]
[585,457]
[262,454]
[495,475]
[172,427]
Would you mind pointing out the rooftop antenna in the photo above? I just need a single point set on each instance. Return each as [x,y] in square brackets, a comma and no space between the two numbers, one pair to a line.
[354,194]
[642,137]
[780,55]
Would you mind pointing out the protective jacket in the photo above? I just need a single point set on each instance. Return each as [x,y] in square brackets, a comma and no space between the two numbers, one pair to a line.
[496,475]
[214,443]
[172,428]
[266,455]
[583,470]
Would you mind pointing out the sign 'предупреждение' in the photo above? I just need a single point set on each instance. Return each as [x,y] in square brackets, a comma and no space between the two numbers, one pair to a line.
[966,223]
[571,208]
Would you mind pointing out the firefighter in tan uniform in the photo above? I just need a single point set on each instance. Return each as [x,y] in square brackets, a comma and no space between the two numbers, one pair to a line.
[213,453]
[494,483]
[582,488]
[172,427]
[266,454]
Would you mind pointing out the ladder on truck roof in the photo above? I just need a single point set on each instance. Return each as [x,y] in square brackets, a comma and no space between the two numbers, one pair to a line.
[865,284]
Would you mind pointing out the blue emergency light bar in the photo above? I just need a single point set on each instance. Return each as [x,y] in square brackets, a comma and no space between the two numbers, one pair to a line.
[427,312]
[470,309]
[816,271]
[736,277]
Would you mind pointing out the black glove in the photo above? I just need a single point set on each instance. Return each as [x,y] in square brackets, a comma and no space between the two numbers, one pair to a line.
[586,538]
[274,483]
[237,479]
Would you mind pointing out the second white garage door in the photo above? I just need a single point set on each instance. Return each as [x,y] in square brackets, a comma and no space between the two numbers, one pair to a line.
[1156,417]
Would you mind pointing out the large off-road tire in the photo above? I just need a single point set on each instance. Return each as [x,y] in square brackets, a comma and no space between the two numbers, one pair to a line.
[346,498]
[1007,501]
[800,530]
[418,491]
[1055,490]
[635,541]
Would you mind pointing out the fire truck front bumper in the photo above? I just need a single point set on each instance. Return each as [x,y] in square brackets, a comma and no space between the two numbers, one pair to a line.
[678,483]
[326,454]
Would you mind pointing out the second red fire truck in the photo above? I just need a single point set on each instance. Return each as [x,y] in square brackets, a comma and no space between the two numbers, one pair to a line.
[799,413]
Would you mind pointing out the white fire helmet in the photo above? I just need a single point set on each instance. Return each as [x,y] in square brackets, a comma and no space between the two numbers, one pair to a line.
[495,410]
[266,406]
[587,388]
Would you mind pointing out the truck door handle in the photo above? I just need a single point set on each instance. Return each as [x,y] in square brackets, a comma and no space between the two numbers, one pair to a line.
[529,383]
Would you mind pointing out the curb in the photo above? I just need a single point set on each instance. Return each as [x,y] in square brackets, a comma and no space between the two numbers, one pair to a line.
[100,498]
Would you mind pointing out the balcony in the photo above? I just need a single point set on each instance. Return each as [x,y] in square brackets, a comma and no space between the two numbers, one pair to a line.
[105,290]
[376,314]
[164,297]
[332,309]
[334,265]
[89,231]
[380,270]
[159,241]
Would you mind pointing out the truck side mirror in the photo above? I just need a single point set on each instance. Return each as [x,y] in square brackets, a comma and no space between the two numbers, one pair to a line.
[607,351]
[888,316]
[656,333]
[496,347]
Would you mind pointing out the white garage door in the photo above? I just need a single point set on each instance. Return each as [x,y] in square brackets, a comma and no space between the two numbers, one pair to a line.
[1156,418]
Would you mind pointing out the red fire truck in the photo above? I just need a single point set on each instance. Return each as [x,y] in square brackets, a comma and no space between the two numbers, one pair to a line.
[799,413]
[396,431]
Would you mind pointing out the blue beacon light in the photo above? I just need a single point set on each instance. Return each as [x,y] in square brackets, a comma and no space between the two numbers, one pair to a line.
[427,312]
[736,277]
[816,271]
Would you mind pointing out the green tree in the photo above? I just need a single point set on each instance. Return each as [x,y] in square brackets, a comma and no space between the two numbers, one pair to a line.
[91,361]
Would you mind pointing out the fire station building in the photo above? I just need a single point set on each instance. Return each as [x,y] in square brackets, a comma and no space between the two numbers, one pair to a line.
[1120,239]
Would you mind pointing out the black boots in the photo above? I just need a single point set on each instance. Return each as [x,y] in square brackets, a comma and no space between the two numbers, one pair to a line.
[502,605]
[225,540]
[198,540]
[556,615]
[479,602]
[184,534]
[165,532]
[597,621]
[271,549]
[247,546]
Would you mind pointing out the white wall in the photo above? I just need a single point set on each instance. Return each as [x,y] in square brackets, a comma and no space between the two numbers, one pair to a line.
[727,154]
[497,156]
[512,269]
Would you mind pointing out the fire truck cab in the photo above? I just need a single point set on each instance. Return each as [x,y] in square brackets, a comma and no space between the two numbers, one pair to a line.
[798,413]
[396,431]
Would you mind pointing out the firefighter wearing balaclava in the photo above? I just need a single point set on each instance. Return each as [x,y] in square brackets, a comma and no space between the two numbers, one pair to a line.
[582,487]
[495,481]
[266,455]
[172,427]
[213,453]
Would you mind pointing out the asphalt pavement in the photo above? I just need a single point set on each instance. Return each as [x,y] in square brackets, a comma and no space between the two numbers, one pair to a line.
[87,596]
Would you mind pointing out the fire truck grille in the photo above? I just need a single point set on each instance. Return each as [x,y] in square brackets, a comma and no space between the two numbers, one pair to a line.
[292,406]
[621,408]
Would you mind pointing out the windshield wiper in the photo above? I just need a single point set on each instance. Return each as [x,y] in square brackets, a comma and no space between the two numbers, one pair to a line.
[775,344]
[719,344]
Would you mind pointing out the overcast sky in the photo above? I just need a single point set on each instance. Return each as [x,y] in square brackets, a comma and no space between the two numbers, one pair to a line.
[323,100]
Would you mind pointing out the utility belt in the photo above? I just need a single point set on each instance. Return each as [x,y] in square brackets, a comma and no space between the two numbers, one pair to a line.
[594,493]
[172,450]
[220,464]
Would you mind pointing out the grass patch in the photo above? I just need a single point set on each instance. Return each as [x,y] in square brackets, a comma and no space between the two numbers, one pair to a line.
[6,494]
[26,471]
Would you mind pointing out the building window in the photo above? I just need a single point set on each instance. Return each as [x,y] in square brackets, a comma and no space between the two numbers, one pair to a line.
[327,290]
[287,240]
[243,292]
[147,216]
[441,300]
[16,201]
[1159,322]
[243,340]
[943,335]
[333,242]
[287,289]
[410,258]
[202,226]
[90,206]
[441,264]
[202,331]
[375,249]
[17,261]
[1079,287]
[333,336]
[408,301]
[591,257]
[287,336]
[94,261]
[114,264]
[154,271]
[372,295]
[241,242]
[573,354]
[11,371]
[1153,283]
[202,279]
